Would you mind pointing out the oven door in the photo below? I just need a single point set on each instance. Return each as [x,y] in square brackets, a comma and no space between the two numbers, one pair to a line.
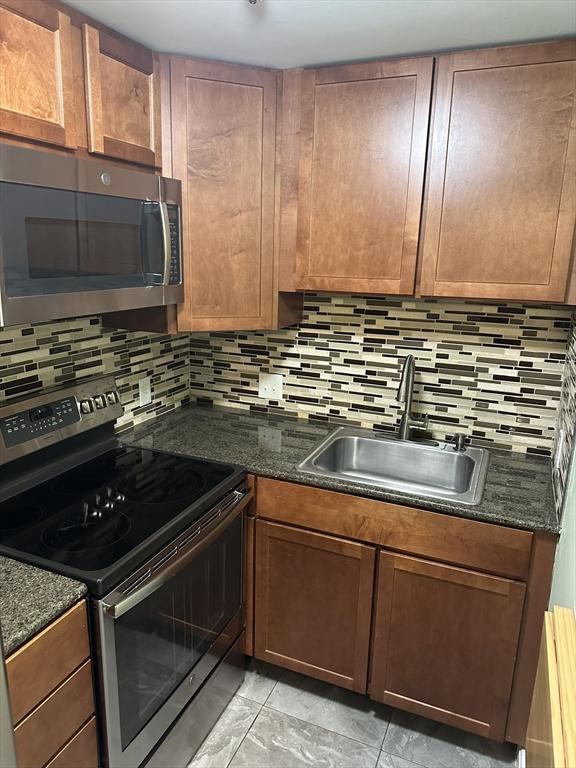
[159,641]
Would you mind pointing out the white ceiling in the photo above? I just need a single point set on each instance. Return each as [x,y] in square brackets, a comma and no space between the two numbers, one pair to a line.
[288,33]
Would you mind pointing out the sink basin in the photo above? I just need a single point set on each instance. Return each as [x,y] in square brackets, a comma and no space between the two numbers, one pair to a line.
[433,470]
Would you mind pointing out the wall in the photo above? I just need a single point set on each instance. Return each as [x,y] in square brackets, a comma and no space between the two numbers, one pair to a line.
[492,371]
[566,431]
[564,581]
[48,354]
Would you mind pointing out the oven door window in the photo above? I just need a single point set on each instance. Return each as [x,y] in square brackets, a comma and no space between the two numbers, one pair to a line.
[59,241]
[161,640]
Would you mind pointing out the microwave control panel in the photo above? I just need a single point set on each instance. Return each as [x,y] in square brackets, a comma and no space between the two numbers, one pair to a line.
[27,425]
[175,245]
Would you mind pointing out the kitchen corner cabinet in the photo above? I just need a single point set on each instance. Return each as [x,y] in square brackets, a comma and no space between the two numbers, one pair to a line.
[363,145]
[224,152]
[313,603]
[36,82]
[52,701]
[502,174]
[445,642]
[122,98]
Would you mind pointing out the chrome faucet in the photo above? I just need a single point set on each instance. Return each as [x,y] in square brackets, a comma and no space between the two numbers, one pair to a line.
[408,422]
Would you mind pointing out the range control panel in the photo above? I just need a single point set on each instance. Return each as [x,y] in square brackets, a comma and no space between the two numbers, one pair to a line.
[48,418]
[27,425]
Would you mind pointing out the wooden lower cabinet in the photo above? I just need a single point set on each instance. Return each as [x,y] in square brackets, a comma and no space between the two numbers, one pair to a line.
[313,603]
[51,696]
[445,642]
[81,751]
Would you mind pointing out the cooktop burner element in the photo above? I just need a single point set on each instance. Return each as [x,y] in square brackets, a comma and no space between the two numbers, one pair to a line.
[166,483]
[87,529]
[91,521]
[79,481]
[16,516]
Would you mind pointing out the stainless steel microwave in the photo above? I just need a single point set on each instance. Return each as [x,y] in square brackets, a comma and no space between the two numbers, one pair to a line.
[81,237]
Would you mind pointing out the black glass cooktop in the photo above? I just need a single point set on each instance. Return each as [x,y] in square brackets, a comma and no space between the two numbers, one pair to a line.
[83,522]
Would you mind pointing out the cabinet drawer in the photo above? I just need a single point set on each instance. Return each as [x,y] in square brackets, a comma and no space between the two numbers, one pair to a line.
[81,751]
[42,664]
[40,735]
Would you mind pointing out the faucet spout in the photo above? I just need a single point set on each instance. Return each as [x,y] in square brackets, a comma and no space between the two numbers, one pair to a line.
[406,380]
[408,422]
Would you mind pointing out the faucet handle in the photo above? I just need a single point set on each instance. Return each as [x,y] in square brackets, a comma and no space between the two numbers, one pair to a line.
[460,441]
[420,421]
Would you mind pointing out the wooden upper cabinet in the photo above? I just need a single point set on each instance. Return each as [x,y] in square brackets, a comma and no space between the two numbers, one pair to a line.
[363,146]
[313,603]
[122,98]
[36,78]
[502,188]
[223,150]
[445,642]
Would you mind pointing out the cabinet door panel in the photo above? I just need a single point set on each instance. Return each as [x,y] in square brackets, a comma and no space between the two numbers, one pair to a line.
[122,99]
[36,84]
[313,603]
[364,133]
[223,131]
[445,642]
[502,195]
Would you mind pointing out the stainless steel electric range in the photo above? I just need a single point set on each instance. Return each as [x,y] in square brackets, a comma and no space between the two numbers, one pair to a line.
[158,540]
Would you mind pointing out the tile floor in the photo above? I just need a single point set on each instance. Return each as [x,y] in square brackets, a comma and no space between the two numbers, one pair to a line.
[279,719]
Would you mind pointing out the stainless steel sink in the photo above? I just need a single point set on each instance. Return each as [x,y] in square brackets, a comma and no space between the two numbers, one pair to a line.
[434,470]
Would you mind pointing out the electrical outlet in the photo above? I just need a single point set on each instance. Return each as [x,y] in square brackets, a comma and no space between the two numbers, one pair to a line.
[145,391]
[270,386]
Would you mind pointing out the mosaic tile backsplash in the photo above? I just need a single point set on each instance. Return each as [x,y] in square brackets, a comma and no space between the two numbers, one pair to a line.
[491,371]
[566,433]
[48,354]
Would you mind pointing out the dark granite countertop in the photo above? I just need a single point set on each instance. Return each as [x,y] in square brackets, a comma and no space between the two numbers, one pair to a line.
[30,598]
[518,489]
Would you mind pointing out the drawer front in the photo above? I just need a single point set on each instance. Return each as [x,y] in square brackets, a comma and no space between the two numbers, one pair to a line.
[47,728]
[81,751]
[38,668]
[468,543]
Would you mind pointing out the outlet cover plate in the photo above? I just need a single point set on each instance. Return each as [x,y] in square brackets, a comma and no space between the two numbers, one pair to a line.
[144,391]
[270,386]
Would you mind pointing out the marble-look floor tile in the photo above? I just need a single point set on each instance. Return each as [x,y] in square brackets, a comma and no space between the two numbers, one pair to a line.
[279,741]
[226,736]
[259,681]
[330,707]
[434,745]
[392,761]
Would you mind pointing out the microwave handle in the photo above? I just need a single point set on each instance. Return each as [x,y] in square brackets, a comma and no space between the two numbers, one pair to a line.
[119,603]
[166,241]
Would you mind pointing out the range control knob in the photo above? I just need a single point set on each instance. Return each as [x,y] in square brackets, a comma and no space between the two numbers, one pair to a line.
[112,397]
[100,402]
[86,406]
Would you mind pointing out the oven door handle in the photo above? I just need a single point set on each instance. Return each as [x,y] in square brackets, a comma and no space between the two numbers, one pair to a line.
[119,603]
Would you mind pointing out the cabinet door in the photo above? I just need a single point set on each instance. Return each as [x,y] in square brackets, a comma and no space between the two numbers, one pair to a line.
[445,642]
[363,134]
[223,150]
[122,99]
[36,78]
[313,603]
[502,190]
